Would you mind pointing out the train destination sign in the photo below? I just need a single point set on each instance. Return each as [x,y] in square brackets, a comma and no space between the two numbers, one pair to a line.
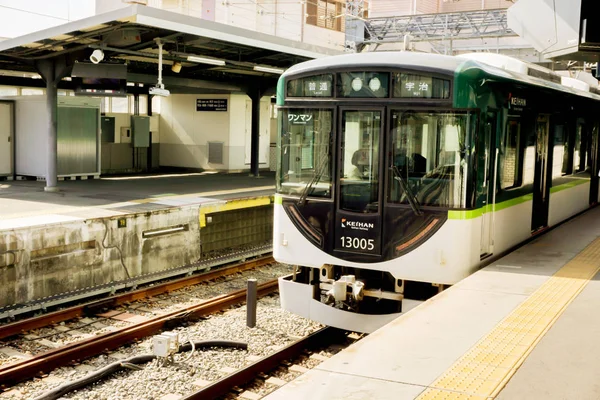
[311,86]
[211,104]
[420,86]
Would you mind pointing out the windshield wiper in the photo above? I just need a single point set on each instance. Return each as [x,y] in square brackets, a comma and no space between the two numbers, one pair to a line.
[319,173]
[412,199]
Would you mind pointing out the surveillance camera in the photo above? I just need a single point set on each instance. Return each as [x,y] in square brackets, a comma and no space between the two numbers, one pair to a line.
[97,56]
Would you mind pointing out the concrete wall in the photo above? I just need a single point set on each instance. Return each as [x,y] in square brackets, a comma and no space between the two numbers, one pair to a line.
[391,8]
[288,25]
[46,260]
[323,36]
[19,17]
[471,5]
[103,6]
[185,132]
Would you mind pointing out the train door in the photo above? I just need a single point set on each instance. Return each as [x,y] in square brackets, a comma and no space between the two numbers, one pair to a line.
[541,187]
[359,207]
[487,164]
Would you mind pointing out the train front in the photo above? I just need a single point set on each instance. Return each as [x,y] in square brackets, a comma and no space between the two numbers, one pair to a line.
[364,184]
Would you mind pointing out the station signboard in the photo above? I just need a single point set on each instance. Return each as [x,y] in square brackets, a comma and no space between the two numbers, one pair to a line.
[211,104]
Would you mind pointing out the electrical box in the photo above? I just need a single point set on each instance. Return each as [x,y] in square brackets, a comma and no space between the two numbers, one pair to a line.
[125,134]
[140,131]
[165,344]
[107,127]
[160,346]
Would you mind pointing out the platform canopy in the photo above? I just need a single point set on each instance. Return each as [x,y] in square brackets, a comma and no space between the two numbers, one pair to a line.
[128,35]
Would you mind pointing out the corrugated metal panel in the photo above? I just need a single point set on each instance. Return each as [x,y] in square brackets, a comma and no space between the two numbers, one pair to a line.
[77,140]
[390,8]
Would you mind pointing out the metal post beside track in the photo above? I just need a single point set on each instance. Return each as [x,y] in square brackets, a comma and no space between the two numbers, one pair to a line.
[251,303]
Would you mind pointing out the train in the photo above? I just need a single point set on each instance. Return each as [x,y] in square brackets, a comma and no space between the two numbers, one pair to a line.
[401,173]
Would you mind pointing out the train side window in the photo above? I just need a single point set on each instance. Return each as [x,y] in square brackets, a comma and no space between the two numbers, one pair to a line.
[528,161]
[581,148]
[560,152]
[510,156]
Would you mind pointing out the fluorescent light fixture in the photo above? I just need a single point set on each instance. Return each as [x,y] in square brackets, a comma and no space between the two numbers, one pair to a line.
[270,70]
[204,60]
[166,231]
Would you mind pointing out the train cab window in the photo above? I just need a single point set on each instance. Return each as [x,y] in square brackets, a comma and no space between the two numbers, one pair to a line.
[429,158]
[305,152]
[509,162]
[359,183]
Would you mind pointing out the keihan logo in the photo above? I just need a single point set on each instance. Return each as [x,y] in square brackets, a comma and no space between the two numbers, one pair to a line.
[363,226]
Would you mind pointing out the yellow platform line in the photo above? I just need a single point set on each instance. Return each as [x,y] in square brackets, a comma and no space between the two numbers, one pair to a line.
[229,205]
[485,369]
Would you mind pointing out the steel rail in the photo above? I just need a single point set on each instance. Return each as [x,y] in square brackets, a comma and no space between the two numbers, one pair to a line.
[75,352]
[322,337]
[66,314]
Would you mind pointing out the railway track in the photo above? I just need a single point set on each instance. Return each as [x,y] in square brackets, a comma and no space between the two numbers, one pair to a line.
[30,367]
[255,380]
[90,308]
[258,370]
[10,312]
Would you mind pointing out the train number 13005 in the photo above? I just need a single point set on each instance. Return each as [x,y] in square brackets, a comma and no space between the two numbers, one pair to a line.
[357,243]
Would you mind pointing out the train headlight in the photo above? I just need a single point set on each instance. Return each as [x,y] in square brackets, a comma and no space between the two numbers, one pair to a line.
[375,84]
[357,84]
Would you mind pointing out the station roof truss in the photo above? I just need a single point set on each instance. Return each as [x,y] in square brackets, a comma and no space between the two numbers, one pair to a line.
[128,35]
[436,27]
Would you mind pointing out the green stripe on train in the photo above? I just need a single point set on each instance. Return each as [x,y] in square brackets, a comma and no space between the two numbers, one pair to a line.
[470,214]
[569,185]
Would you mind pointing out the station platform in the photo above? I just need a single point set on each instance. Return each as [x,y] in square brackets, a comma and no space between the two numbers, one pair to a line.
[97,236]
[524,327]
[24,203]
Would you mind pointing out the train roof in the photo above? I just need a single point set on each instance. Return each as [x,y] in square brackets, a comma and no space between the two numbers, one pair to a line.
[420,61]
[493,66]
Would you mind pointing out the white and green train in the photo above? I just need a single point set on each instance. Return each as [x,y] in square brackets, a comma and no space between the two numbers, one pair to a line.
[400,173]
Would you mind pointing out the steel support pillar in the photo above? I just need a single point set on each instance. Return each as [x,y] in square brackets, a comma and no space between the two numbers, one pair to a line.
[47,70]
[255,95]
[52,71]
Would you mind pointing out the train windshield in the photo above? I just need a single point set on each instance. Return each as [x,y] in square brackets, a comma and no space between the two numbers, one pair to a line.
[305,152]
[429,158]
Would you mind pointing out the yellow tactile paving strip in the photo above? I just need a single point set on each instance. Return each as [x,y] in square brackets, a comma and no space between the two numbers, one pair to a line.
[486,368]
